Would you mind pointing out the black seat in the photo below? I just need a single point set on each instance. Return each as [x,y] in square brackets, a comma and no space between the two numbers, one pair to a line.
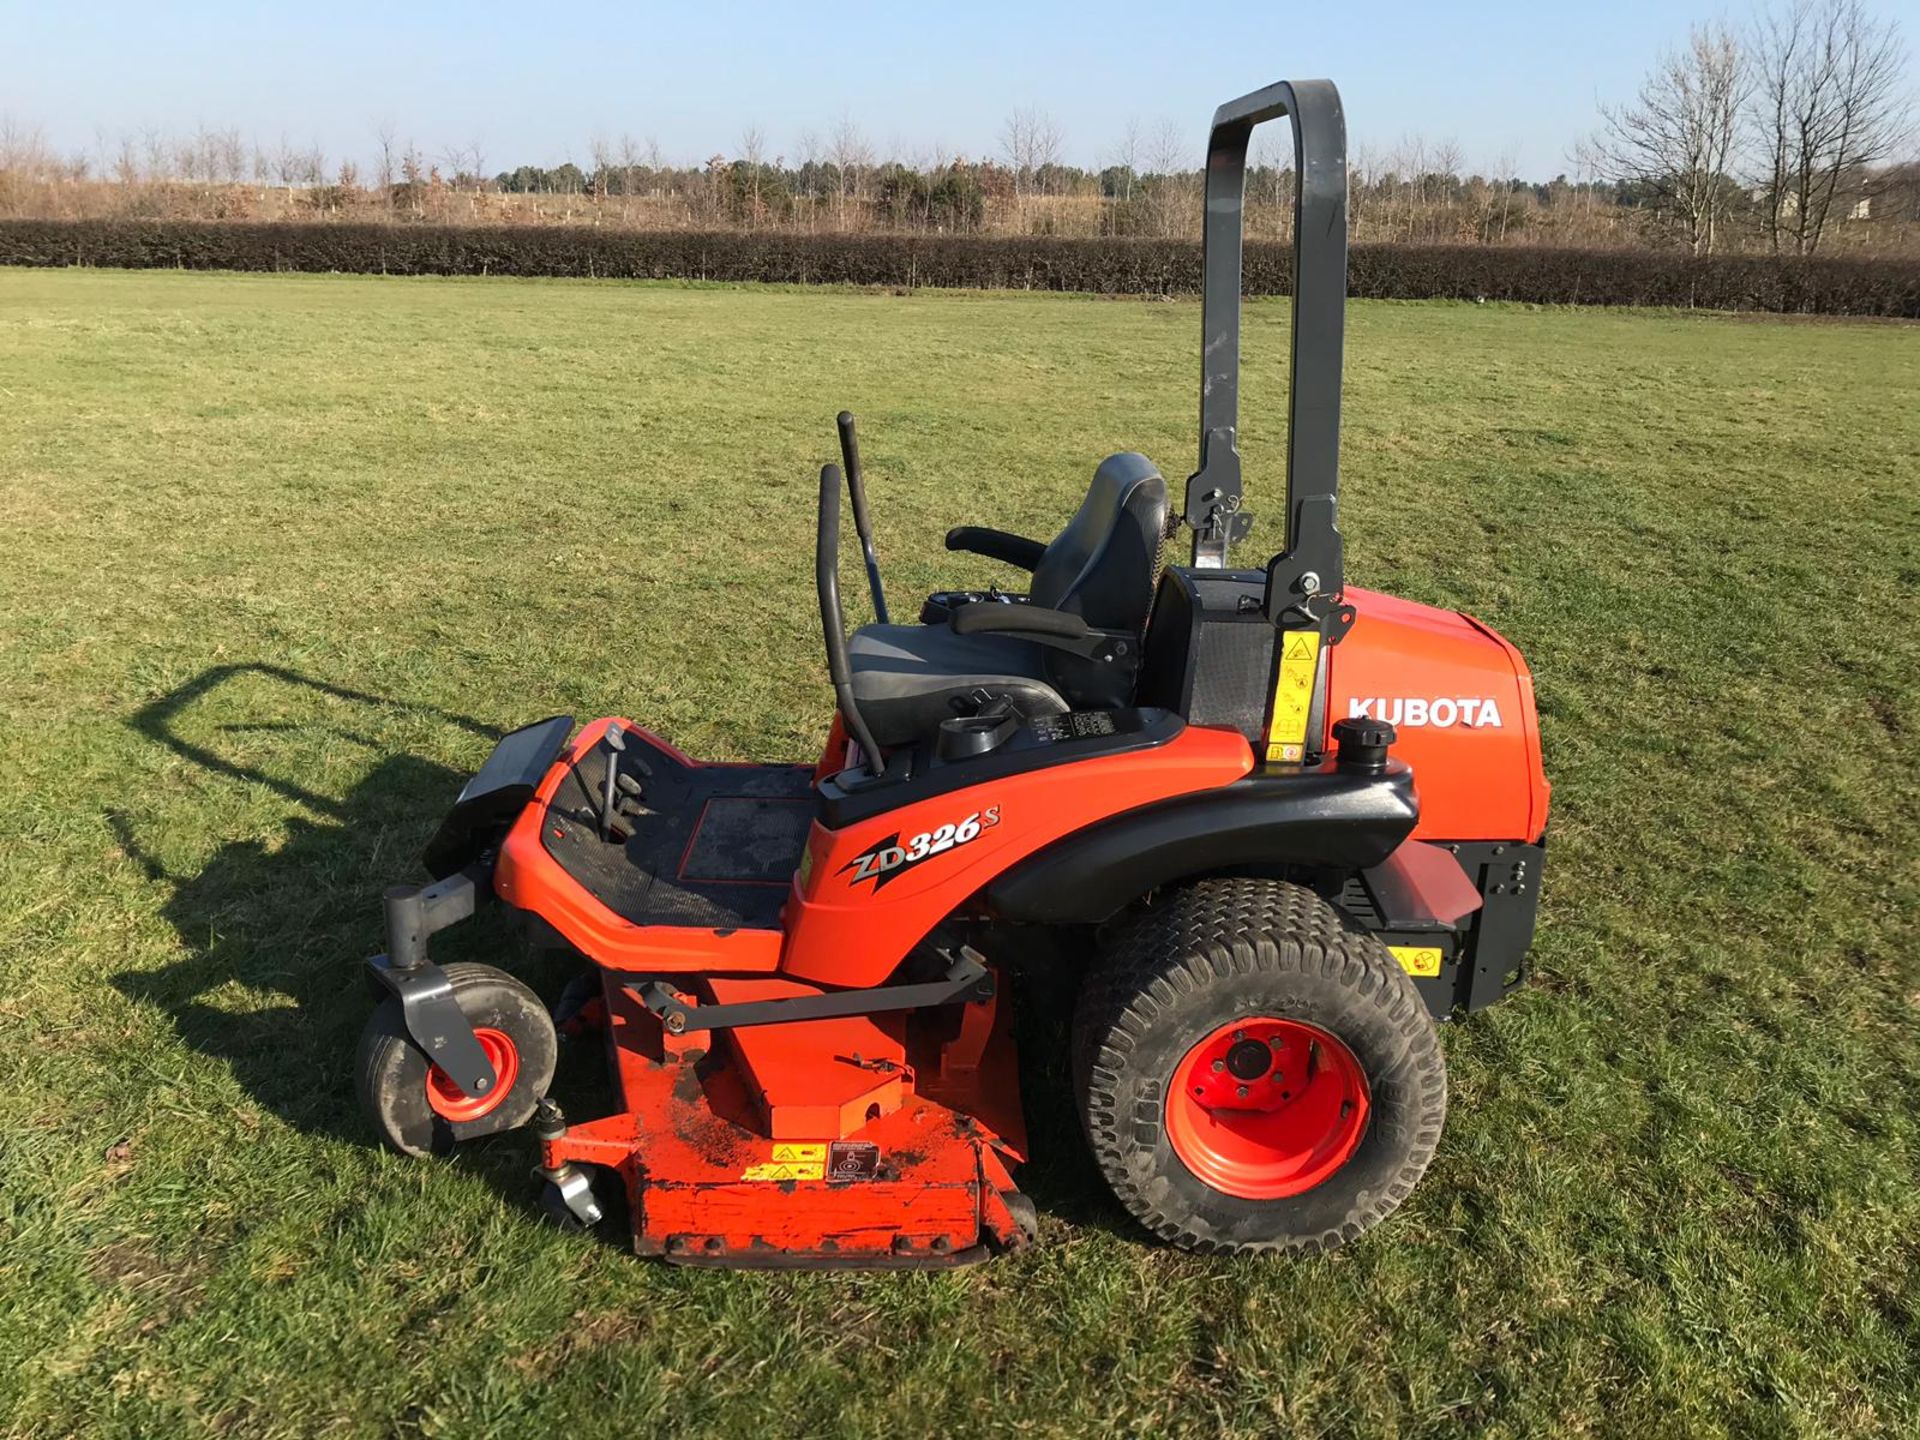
[1102,567]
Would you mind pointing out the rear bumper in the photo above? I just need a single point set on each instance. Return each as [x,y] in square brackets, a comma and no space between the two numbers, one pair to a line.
[1466,963]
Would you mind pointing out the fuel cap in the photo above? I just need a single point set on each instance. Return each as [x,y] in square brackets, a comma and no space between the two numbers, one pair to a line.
[1363,743]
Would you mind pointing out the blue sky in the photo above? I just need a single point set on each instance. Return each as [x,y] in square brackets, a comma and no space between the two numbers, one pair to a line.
[538,82]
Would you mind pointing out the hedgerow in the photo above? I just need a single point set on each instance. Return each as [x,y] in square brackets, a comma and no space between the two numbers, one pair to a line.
[1825,285]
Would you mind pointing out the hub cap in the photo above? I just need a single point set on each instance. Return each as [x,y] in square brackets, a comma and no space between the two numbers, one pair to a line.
[450,1102]
[1264,1108]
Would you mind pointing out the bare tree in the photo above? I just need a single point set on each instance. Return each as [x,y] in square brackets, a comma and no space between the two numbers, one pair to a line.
[384,134]
[1273,167]
[1126,155]
[126,162]
[466,164]
[1506,162]
[850,155]
[288,166]
[1167,161]
[413,173]
[1830,103]
[633,159]
[1048,146]
[1017,146]
[753,150]
[1031,142]
[1679,136]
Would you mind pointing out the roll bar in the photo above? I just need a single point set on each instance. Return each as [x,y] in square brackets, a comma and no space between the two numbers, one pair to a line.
[1310,563]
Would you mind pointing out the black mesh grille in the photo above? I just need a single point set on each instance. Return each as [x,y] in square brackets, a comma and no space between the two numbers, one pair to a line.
[1230,676]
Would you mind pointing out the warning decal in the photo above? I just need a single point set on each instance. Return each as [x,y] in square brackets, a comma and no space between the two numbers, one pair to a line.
[790,1162]
[1293,694]
[1420,961]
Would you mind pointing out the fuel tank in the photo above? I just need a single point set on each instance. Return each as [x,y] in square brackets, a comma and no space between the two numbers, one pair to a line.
[1461,698]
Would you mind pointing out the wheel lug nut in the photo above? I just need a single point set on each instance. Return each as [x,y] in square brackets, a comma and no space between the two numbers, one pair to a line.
[1243,1092]
[1239,1034]
[1218,1066]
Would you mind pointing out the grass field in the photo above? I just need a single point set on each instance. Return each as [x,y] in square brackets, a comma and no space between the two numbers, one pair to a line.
[281,554]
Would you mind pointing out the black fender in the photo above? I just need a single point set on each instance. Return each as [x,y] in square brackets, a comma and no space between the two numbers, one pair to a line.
[493,799]
[1325,816]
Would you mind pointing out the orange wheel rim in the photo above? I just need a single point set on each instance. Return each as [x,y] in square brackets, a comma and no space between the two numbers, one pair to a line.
[1265,1108]
[450,1102]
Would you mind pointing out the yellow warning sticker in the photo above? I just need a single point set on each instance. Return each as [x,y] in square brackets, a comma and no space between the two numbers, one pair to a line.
[1420,961]
[1293,694]
[790,1162]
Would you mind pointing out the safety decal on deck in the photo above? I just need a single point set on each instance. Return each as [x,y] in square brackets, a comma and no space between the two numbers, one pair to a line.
[790,1162]
[1293,694]
[853,1160]
[1420,961]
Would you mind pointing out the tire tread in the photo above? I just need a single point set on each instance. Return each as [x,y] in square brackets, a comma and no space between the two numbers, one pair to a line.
[1218,929]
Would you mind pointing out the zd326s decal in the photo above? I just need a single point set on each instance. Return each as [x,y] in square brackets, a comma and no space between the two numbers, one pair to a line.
[892,857]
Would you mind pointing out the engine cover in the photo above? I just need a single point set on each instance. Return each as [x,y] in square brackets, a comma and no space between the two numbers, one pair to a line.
[1461,699]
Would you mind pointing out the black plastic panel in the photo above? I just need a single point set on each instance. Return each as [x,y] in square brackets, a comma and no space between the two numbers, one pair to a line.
[1484,957]
[1209,649]
[496,794]
[916,775]
[1270,820]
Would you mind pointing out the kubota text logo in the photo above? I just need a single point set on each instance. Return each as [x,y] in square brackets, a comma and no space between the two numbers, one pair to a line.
[1440,713]
[892,857]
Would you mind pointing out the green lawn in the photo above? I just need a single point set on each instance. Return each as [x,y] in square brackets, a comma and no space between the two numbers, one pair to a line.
[281,553]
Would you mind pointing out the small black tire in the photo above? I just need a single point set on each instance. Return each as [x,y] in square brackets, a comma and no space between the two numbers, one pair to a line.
[1201,959]
[392,1074]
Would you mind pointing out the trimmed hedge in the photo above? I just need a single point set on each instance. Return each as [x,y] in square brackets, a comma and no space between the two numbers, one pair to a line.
[1822,285]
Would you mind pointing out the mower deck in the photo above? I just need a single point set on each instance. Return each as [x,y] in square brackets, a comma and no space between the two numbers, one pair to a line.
[863,1142]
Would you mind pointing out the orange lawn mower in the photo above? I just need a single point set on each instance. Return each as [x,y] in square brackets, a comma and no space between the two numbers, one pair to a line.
[1292,822]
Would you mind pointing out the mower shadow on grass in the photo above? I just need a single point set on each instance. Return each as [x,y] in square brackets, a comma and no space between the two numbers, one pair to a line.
[274,928]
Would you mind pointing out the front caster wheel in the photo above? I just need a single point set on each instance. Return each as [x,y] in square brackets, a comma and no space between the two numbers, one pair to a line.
[414,1105]
[566,1199]
[1255,1073]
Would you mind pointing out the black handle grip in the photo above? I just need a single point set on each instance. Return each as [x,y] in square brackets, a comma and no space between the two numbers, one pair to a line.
[833,620]
[991,617]
[1015,550]
[862,521]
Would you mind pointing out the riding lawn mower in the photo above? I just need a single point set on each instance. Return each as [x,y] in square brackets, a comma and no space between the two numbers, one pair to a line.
[1293,824]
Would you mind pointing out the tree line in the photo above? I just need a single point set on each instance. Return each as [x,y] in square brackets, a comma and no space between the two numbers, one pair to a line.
[1790,132]
[1784,128]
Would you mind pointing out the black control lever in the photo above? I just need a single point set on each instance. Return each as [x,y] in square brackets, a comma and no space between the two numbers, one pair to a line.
[833,620]
[612,825]
[862,521]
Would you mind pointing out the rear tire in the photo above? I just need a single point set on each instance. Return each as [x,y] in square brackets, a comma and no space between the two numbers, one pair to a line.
[1212,966]
[412,1104]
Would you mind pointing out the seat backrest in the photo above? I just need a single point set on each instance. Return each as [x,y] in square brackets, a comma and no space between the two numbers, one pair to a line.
[1103,566]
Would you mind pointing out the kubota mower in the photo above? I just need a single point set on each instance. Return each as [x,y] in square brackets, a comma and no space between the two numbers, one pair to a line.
[1292,821]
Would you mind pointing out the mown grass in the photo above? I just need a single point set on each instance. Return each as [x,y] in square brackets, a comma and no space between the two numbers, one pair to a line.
[1677,1193]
